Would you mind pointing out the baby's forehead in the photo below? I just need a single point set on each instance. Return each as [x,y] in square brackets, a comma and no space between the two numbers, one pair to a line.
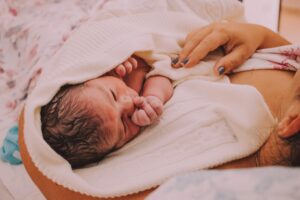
[100,104]
[94,92]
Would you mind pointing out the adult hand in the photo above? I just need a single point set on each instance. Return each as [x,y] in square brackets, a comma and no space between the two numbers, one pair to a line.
[239,41]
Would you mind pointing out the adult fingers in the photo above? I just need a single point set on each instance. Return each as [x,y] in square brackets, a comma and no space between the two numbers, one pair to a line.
[232,60]
[156,105]
[208,44]
[191,42]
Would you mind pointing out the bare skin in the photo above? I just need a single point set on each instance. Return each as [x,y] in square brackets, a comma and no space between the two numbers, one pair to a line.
[276,150]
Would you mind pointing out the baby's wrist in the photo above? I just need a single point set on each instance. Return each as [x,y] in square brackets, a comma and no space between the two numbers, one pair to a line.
[154,96]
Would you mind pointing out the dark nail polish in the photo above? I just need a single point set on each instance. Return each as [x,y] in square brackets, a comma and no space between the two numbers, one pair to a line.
[186,60]
[175,60]
[221,70]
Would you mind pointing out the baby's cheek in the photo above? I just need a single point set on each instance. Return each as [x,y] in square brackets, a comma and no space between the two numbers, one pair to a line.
[134,129]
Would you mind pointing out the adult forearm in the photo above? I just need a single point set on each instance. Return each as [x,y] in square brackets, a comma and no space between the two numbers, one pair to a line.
[272,39]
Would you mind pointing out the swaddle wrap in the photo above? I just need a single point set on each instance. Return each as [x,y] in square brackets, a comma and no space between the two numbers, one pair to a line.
[206,123]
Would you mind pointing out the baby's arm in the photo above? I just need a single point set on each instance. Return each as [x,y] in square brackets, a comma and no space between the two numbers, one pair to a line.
[158,86]
[157,90]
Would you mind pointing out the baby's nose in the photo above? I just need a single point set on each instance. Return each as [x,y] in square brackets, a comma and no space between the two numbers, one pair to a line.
[126,104]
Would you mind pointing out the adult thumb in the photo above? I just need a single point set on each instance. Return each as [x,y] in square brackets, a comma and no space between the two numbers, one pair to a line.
[232,60]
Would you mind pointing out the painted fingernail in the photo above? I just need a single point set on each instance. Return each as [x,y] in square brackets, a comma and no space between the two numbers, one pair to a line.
[186,60]
[175,60]
[221,70]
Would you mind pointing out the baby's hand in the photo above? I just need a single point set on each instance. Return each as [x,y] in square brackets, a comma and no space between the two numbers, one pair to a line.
[150,108]
[126,67]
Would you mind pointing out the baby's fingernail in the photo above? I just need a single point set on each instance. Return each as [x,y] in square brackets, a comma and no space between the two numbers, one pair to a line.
[221,70]
[186,60]
[175,60]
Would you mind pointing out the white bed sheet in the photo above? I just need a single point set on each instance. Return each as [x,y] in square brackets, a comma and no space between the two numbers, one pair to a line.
[274,183]
[5,194]
[16,184]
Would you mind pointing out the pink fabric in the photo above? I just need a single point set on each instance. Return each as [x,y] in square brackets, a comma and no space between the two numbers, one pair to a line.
[285,57]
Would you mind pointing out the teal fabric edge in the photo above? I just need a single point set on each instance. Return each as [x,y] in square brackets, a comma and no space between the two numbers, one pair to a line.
[9,151]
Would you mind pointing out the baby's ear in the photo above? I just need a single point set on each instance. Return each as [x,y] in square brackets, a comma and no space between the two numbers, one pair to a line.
[289,126]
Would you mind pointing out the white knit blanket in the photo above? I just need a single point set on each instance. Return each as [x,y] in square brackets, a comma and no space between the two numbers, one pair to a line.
[206,123]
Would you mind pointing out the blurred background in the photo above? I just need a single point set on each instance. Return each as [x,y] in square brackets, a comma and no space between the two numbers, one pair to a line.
[282,16]
[289,23]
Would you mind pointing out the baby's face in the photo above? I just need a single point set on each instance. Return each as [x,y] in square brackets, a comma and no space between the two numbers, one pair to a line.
[113,101]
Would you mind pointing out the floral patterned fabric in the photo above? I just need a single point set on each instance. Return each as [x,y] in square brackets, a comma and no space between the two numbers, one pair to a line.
[30,34]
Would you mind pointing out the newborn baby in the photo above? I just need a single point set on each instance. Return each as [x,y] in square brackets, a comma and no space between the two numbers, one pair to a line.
[84,122]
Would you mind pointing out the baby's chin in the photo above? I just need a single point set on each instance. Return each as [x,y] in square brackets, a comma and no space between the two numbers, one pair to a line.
[128,137]
[134,131]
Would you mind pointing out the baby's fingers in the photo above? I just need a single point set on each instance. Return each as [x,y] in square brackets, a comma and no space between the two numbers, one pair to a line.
[149,111]
[156,104]
[128,66]
[140,118]
[138,101]
[133,62]
[120,70]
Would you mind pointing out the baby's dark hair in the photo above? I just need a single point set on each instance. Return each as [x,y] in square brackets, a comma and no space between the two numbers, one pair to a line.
[71,127]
